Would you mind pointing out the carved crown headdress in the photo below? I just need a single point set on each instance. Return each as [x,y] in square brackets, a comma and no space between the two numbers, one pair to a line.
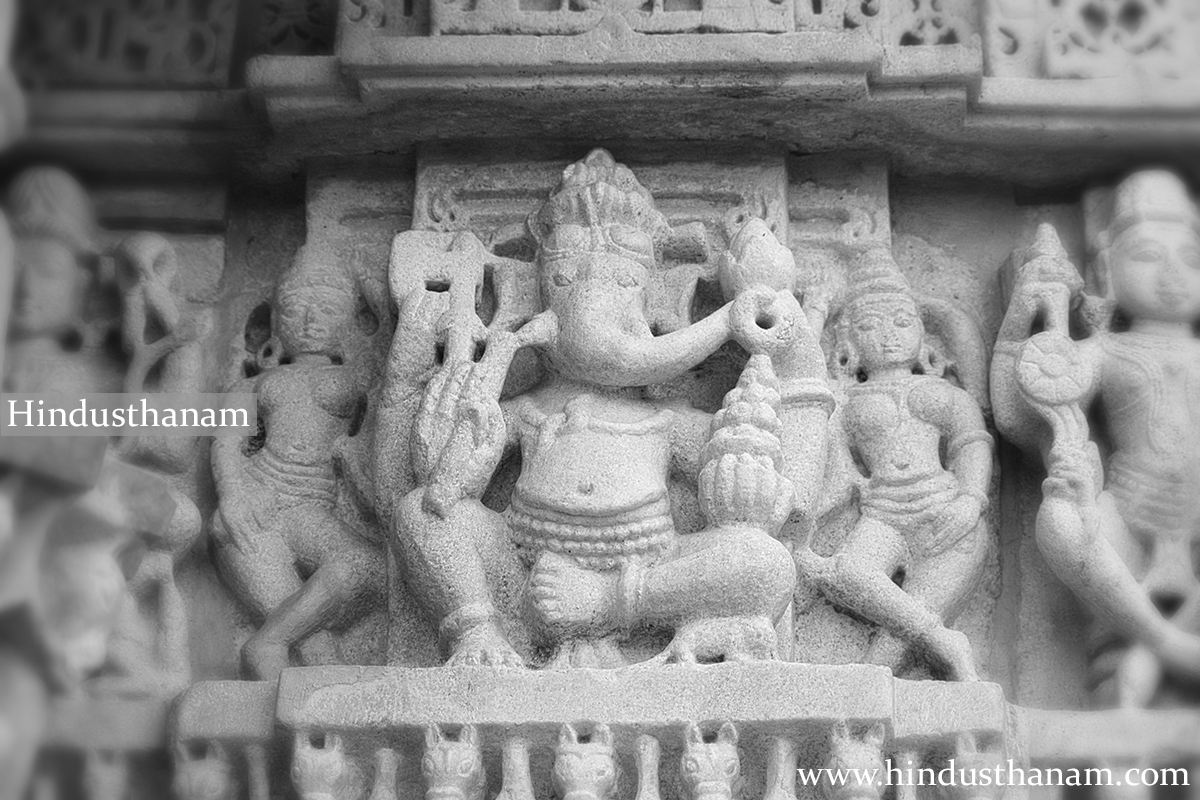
[596,193]
[1149,195]
[1153,195]
[313,269]
[875,276]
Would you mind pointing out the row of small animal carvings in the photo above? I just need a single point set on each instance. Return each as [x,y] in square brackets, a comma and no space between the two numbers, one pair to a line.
[586,766]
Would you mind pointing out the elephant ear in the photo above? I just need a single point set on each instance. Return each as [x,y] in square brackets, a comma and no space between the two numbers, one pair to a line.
[955,348]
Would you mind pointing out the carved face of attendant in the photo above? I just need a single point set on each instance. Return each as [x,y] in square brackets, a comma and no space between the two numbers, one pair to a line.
[885,332]
[1154,256]
[1155,270]
[311,320]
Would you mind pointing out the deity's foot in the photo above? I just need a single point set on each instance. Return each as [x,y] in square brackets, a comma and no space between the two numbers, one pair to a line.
[602,653]
[714,640]
[264,658]
[484,645]
[570,600]
[954,649]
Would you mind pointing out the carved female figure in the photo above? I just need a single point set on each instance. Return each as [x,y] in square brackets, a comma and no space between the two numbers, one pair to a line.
[919,518]
[590,509]
[1119,532]
[280,544]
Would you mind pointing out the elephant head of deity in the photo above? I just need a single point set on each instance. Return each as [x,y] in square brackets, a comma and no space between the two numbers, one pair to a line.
[600,240]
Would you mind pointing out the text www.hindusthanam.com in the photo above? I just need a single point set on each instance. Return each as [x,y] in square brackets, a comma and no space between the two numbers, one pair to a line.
[994,775]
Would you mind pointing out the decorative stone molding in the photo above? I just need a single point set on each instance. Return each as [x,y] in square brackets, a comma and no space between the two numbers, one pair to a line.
[660,16]
[762,718]
[1092,39]
[123,43]
[292,28]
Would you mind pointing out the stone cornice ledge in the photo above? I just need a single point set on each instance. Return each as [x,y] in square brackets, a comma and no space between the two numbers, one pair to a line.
[1101,97]
[763,699]
[769,698]
[612,48]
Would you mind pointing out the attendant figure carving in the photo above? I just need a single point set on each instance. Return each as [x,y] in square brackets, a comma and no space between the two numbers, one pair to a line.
[280,544]
[1118,526]
[920,516]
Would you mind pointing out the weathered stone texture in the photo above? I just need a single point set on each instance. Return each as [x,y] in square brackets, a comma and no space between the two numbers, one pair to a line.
[656,398]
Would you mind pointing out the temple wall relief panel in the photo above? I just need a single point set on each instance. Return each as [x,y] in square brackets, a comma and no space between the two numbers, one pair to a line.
[656,400]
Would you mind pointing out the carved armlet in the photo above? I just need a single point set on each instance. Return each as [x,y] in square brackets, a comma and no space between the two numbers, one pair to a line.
[958,442]
[806,392]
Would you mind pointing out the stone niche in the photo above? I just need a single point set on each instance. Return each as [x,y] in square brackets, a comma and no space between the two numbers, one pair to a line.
[658,400]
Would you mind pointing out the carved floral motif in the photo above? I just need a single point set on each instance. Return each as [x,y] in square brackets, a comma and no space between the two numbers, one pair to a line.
[1091,38]
[296,27]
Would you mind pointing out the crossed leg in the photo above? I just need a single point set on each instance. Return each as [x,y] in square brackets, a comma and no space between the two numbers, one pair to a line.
[860,577]
[298,612]
[745,578]
[944,583]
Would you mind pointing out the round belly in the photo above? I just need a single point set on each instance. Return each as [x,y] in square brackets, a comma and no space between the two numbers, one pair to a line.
[594,473]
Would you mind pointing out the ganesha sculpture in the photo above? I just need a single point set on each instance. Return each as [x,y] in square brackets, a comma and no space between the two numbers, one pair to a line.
[590,514]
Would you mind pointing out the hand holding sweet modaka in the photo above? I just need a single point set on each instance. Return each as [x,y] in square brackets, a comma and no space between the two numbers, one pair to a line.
[766,321]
